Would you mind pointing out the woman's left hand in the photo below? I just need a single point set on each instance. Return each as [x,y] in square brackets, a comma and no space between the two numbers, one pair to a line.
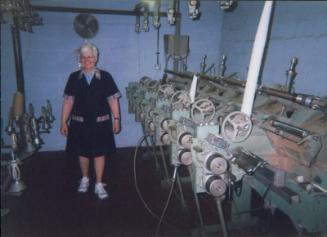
[116,126]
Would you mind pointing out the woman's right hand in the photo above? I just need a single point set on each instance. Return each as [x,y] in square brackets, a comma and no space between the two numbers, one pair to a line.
[64,129]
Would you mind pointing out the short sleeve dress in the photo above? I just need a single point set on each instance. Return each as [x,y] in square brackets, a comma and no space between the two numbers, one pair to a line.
[90,132]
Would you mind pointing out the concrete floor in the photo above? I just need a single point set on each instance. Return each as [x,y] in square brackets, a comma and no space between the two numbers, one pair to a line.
[51,207]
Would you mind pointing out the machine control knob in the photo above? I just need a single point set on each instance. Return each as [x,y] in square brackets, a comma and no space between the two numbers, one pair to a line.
[164,138]
[185,157]
[185,140]
[164,124]
[215,186]
[216,163]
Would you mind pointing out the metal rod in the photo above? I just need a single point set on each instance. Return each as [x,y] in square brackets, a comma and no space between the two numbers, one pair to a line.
[92,10]
[182,199]
[228,79]
[291,74]
[197,203]
[18,59]
[303,99]
[221,217]
[183,203]
[157,65]
[154,150]
[164,161]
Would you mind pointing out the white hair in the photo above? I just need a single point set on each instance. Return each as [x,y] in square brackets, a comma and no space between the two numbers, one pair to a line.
[88,47]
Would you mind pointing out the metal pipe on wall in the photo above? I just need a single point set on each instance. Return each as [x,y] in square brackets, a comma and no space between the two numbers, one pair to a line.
[177,35]
[91,10]
[18,59]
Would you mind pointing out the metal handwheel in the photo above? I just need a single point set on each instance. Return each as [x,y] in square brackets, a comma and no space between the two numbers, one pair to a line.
[236,127]
[166,91]
[202,111]
[180,99]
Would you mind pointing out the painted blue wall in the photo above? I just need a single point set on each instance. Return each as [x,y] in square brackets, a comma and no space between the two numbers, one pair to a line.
[299,29]
[48,57]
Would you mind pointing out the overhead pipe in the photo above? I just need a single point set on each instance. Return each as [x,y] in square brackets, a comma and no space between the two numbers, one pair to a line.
[256,58]
[91,10]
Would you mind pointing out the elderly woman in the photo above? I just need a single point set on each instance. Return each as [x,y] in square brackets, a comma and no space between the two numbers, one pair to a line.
[90,116]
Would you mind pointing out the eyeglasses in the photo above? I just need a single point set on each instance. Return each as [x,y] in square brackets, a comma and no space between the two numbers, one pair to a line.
[87,58]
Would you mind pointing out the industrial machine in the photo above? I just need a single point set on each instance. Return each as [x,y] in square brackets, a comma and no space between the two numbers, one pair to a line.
[237,137]
[279,151]
[24,128]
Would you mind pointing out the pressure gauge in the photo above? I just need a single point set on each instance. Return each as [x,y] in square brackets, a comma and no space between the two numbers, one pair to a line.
[185,156]
[215,186]
[215,163]
[185,140]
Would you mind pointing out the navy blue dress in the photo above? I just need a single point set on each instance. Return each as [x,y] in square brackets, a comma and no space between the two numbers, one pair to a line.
[90,131]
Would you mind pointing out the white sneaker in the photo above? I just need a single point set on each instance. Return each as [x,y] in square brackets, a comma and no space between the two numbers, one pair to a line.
[83,185]
[100,191]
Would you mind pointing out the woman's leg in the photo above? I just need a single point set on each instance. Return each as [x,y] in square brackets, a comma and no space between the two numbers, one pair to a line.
[99,163]
[84,165]
[84,183]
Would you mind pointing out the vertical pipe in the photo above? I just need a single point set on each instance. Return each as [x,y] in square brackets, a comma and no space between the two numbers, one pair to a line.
[256,58]
[18,58]
[177,35]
